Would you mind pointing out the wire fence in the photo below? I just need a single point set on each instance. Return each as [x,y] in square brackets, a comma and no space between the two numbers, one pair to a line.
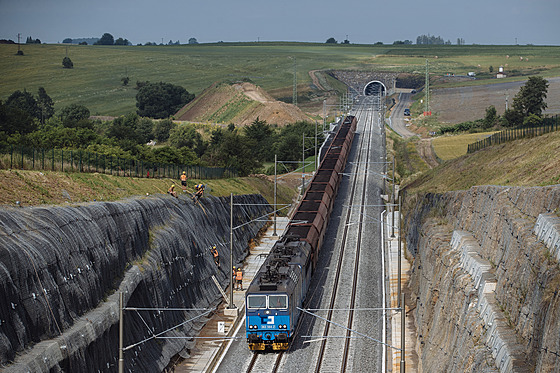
[29,158]
[548,125]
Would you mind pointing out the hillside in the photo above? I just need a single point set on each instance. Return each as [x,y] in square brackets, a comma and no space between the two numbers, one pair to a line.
[31,187]
[241,104]
[524,162]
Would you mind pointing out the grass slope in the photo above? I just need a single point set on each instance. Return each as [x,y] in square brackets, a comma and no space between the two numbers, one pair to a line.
[524,162]
[95,80]
[45,187]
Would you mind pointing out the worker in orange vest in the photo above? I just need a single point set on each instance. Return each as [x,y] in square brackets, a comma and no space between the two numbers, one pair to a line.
[216,255]
[184,181]
[239,278]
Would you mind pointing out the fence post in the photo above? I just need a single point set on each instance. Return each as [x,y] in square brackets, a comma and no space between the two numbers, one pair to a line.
[62,159]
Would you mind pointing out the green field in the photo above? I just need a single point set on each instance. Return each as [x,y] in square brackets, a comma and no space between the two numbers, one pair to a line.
[95,80]
[450,147]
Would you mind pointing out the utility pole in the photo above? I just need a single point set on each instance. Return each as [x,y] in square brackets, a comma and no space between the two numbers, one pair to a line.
[324,114]
[121,332]
[403,345]
[400,257]
[427,92]
[316,158]
[231,305]
[303,163]
[275,181]
[393,202]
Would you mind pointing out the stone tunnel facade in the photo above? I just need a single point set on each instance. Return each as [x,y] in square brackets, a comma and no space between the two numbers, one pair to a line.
[360,81]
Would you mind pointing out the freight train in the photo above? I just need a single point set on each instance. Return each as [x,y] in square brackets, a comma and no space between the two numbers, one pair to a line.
[280,285]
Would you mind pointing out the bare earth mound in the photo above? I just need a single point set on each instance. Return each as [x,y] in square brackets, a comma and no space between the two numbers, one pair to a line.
[241,104]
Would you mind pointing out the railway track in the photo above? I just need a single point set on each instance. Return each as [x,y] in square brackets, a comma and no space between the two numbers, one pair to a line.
[265,362]
[329,356]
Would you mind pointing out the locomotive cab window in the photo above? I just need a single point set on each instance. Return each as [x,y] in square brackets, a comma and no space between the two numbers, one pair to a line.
[278,301]
[256,301]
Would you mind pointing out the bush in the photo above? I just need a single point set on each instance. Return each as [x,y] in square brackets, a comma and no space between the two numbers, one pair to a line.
[67,63]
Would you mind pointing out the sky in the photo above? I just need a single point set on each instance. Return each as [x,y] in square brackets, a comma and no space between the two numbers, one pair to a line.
[362,22]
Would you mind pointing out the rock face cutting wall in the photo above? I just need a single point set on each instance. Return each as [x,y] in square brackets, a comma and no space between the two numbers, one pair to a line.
[61,269]
[485,279]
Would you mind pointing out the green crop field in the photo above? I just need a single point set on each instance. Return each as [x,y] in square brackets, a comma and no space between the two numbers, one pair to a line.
[450,147]
[95,80]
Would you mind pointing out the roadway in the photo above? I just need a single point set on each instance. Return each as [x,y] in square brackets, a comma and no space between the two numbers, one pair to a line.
[398,120]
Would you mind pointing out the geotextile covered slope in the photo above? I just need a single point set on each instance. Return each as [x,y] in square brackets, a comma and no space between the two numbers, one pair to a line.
[62,268]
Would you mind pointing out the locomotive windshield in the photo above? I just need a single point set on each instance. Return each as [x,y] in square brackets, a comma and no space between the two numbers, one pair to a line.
[278,301]
[256,301]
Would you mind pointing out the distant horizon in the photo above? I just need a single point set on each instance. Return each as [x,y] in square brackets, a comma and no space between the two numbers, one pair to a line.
[339,42]
[477,22]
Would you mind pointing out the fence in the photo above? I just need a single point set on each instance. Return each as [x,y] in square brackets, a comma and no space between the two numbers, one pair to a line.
[29,158]
[548,125]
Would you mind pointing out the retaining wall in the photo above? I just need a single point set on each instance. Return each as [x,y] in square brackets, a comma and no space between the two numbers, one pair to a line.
[489,304]
[61,269]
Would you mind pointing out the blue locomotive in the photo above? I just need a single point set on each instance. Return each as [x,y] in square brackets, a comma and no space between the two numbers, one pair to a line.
[280,285]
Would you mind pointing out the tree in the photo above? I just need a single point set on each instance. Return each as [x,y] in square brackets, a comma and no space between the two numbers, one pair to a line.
[235,152]
[160,100]
[106,39]
[14,120]
[125,80]
[67,63]
[187,136]
[530,98]
[72,115]
[162,129]
[193,41]
[121,41]
[144,129]
[491,69]
[331,41]
[124,128]
[45,105]
[491,117]
[25,102]
[67,41]
[532,120]
[263,135]
[512,118]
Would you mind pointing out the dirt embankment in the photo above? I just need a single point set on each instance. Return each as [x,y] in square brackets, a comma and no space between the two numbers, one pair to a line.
[241,104]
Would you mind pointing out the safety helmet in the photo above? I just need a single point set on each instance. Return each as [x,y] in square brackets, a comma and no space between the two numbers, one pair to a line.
[214,246]
[184,172]
[173,186]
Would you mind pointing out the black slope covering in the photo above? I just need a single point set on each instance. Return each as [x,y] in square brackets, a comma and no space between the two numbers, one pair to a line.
[61,269]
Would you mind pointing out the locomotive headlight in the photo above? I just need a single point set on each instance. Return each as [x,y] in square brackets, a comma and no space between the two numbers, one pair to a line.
[250,326]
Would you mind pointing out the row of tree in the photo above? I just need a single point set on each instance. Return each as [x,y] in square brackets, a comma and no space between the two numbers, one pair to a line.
[422,39]
[31,120]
